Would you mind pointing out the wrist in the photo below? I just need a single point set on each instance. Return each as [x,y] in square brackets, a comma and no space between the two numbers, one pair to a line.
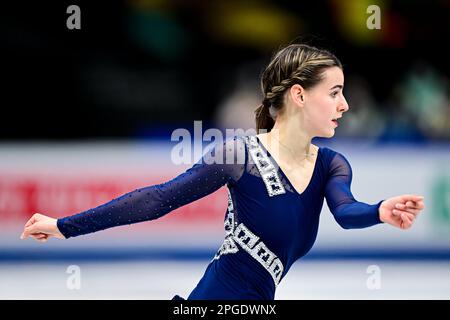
[58,232]
[380,211]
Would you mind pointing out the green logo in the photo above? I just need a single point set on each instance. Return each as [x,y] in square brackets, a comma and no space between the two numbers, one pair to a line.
[440,204]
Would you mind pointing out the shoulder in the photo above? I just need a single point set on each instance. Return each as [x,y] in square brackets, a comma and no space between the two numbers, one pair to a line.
[334,161]
[228,143]
[229,150]
[329,154]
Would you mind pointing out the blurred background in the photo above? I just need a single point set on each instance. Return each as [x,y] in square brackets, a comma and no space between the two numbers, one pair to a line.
[88,114]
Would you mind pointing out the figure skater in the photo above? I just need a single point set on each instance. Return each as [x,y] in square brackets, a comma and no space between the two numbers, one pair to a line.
[277,182]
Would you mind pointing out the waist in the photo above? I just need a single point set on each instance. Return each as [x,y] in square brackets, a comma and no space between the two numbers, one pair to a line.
[240,267]
[241,237]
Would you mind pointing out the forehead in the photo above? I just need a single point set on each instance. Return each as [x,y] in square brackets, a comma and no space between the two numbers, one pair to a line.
[333,76]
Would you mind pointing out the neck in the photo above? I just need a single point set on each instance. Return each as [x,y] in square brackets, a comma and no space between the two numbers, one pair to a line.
[292,136]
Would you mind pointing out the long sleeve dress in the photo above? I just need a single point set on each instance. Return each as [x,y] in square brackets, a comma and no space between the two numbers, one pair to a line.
[268,224]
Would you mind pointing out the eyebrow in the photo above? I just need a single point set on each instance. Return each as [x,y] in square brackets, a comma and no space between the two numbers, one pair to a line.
[337,86]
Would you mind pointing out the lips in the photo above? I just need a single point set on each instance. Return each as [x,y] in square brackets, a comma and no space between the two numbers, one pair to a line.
[335,121]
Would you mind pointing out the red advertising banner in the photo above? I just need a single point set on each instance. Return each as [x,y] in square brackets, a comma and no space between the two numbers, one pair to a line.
[66,194]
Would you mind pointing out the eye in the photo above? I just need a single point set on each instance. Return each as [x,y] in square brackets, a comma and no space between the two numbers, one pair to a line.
[334,94]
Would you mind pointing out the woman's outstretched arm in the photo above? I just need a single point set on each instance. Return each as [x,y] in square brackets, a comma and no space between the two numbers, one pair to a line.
[398,211]
[210,173]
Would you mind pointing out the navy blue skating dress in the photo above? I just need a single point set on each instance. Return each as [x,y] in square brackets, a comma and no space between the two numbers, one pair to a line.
[268,224]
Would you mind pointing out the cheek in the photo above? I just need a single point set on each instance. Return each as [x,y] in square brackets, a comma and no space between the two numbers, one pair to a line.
[323,109]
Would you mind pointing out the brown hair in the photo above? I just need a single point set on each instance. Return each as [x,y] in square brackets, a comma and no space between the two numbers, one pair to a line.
[295,64]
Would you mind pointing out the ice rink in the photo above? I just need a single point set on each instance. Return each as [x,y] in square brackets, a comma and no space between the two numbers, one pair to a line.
[324,279]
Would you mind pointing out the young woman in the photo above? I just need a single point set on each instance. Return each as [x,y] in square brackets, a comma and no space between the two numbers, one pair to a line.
[277,182]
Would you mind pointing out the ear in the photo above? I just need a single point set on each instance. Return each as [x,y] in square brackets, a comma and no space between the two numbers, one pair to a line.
[297,94]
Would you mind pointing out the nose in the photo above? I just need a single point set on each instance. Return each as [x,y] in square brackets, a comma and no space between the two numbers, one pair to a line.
[343,106]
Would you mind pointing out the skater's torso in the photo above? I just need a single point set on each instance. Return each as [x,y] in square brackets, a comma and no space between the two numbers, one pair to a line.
[269,224]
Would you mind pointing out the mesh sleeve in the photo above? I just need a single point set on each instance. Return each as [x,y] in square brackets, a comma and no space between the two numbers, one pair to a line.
[222,164]
[348,212]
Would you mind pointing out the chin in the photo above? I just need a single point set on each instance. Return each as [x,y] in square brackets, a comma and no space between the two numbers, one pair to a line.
[329,134]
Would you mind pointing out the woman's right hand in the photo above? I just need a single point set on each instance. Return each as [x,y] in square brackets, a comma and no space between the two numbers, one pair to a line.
[41,228]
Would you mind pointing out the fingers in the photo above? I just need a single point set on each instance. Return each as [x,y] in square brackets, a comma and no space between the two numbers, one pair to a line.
[410,206]
[31,221]
[405,207]
[398,213]
[406,221]
[411,197]
[38,235]
[34,218]
[28,231]
[415,204]
[41,237]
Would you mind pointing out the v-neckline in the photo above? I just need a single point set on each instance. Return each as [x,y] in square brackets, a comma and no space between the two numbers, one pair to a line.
[282,172]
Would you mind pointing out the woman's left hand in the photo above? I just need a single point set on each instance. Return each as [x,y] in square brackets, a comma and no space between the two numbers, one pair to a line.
[401,211]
